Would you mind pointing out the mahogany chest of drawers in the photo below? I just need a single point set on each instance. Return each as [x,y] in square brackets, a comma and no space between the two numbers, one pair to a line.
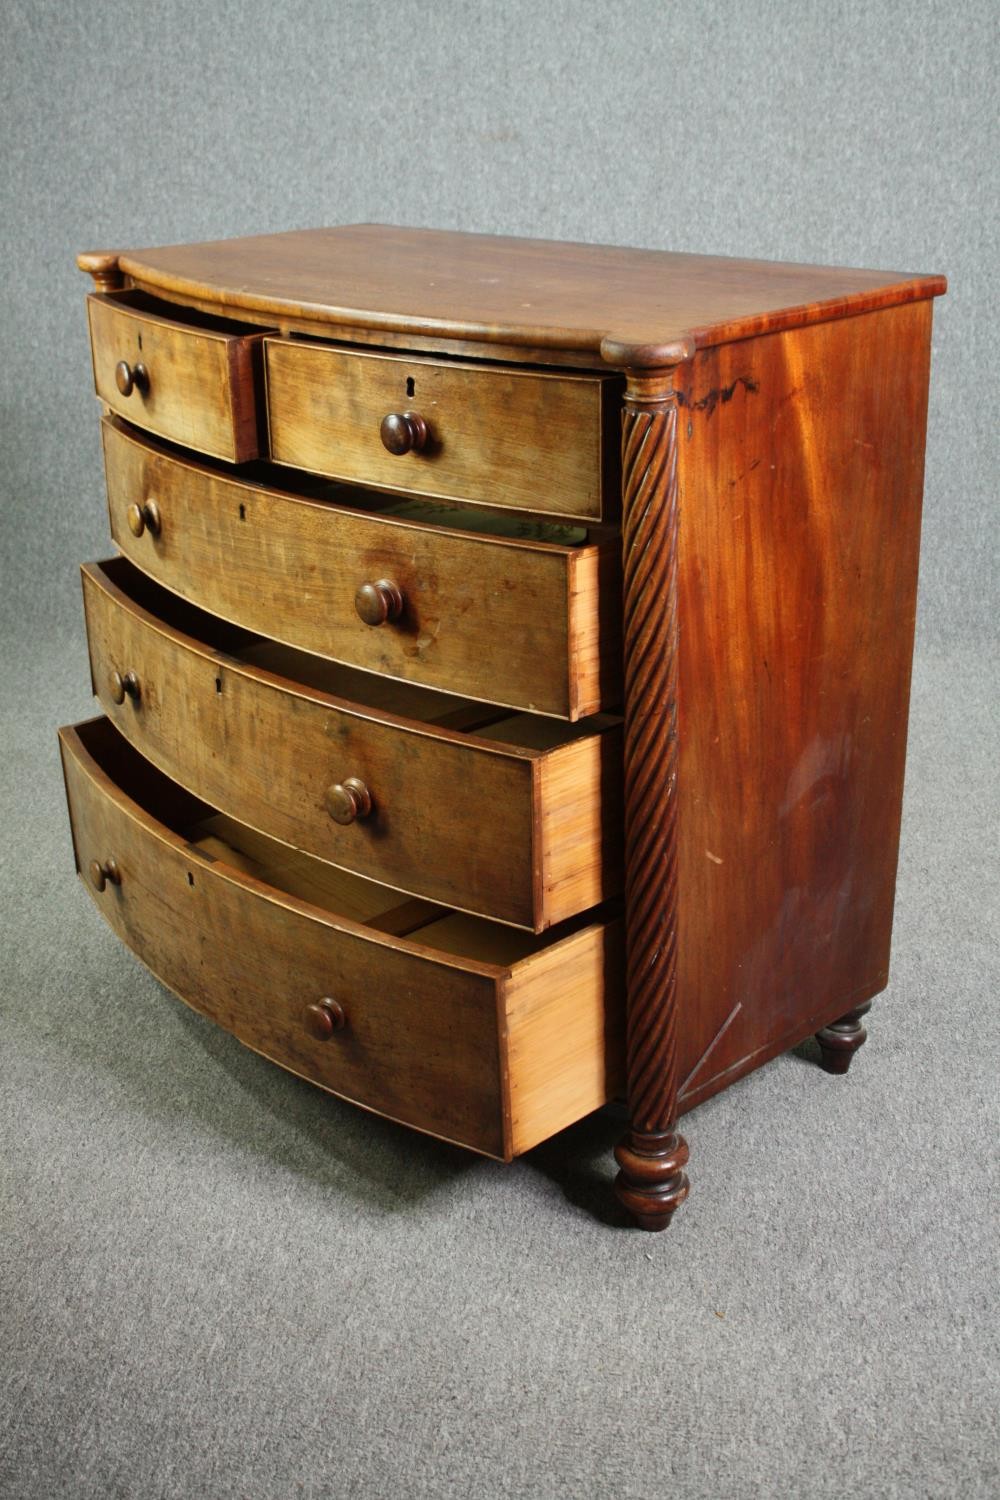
[504,671]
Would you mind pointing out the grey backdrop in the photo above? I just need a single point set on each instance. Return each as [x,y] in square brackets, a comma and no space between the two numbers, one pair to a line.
[217,1281]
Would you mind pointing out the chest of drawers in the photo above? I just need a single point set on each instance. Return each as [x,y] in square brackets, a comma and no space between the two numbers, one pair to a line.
[504,669]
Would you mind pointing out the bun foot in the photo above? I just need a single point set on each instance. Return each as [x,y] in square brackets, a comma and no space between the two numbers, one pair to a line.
[839,1041]
[652,1183]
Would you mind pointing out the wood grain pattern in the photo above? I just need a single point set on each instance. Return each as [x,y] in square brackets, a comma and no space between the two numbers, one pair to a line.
[425,1040]
[650,305]
[458,818]
[203,383]
[800,478]
[651,1183]
[494,436]
[290,566]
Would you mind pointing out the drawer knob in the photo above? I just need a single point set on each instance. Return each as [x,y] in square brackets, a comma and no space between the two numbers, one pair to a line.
[403,432]
[101,874]
[124,686]
[347,800]
[324,1017]
[144,517]
[129,378]
[378,602]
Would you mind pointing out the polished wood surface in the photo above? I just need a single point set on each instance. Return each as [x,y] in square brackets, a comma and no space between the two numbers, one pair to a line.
[651,1182]
[291,567]
[800,482]
[639,306]
[194,384]
[473,820]
[482,433]
[440,1040]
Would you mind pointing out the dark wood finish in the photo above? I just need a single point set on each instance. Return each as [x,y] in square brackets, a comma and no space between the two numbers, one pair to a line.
[839,1041]
[196,382]
[648,306]
[518,821]
[651,1182]
[290,566]
[377,603]
[800,483]
[324,1017]
[436,1036]
[348,800]
[487,434]
[772,446]
[403,432]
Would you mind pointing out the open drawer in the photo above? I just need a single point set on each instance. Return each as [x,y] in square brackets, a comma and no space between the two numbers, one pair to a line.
[505,814]
[519,612]
[185,375]
[491,1038]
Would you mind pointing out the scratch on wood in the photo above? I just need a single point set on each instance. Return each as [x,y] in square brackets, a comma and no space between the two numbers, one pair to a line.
[717,1038]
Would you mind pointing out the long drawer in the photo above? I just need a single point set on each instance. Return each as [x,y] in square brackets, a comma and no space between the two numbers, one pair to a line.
[527,623]
[539,441]
[503,814]
[475,1033]
[192,378]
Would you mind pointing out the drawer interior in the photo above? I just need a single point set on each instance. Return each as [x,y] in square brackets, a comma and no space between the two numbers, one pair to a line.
[337,892]
[367,690]
[134,301]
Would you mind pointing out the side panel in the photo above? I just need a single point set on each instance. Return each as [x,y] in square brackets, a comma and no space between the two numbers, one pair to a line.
[801,477]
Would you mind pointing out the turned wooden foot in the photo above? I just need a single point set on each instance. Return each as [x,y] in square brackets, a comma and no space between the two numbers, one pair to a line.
[839,1041]
[652,1182]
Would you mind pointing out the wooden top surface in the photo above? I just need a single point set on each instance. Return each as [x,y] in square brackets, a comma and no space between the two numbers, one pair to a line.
[631,307]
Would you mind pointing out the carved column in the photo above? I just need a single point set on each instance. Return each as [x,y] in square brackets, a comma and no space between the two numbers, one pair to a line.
[651,1183]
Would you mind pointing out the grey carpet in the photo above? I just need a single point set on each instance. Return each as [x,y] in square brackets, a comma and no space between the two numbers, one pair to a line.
[219,1282]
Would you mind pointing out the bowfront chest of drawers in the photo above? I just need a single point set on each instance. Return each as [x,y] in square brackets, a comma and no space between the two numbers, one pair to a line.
[504,669]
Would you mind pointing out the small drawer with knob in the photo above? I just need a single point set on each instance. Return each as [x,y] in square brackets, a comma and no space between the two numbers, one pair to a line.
[495,435]
[184,375]
[415,590]
[485,1036]
[503,814]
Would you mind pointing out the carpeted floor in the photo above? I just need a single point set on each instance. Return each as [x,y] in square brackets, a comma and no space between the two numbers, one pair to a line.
[218,1282]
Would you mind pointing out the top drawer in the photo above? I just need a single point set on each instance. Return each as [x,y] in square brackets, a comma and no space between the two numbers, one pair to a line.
[196,381]
[483,433]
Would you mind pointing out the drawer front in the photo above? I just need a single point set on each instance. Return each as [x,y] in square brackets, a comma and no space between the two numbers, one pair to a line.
[487,434]
[197,386]
[522,625]
[507,833]
[420,1042]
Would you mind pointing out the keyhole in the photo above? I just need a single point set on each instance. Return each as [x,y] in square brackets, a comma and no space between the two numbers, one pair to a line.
[243,512]
[410,385]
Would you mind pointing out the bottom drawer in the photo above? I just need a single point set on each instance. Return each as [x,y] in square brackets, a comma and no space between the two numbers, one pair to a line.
[489,1037]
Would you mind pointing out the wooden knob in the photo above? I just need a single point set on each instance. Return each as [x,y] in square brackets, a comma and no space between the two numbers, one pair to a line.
[144,517]
[403,432]
[378,602]
[124,686]
[101,874]
[129,378]
[324,1017]
[347,800]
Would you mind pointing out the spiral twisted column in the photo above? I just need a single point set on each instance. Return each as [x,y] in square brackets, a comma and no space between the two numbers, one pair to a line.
[651,1183]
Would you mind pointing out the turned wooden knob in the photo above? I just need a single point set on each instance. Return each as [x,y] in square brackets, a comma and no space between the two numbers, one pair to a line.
[347,800]
[378,602]
[403,432]
[101,874]
[144,517]
[324,1017]
[129,378]
[124,686]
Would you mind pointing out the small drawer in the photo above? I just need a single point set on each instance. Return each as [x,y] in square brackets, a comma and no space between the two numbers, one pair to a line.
[486,434]
[526,614]
[484,1036]
[503,814]
[195,380]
